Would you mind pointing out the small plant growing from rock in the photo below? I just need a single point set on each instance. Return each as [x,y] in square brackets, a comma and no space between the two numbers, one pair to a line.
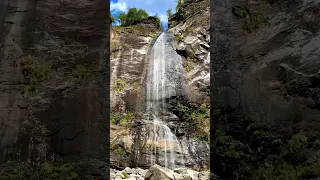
[124,175]
[154,36]
[197,116]
[124,119]
[120,85]
[190,29]
[177,37]
[189,64]
[81,72]
[35,72]
[135,85]
[113,44]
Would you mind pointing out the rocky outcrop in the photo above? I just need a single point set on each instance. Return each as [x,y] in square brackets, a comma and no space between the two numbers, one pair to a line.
[264,74]
[129,48]
[132,128]
[157,172]
[53,80]
[191,26]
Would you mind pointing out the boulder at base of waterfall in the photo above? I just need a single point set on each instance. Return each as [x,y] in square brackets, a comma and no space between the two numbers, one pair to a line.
[157,172]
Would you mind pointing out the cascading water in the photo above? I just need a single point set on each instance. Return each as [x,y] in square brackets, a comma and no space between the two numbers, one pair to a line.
[165,80]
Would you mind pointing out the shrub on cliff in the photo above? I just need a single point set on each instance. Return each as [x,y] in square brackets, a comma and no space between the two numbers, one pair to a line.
[179,4]
[133,16]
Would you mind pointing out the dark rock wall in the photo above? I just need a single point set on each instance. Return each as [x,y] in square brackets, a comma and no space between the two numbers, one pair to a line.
[265,63]
[254,71]
[66,116]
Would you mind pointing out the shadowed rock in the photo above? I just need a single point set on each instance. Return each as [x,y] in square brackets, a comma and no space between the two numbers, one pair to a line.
[45,119]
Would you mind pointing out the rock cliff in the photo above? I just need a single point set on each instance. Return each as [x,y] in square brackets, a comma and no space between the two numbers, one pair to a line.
[265,88]
[186,116]
[53,80]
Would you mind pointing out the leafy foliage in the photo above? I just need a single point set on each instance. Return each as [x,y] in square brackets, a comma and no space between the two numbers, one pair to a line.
[297,148]
[58,172]
[124,174]
[189,64]
[47,171]
[35,72]
[169,13]
[239,160]
[120,85]
[133,15]
[118,149]
[179,4]
[197,116]
[122,119]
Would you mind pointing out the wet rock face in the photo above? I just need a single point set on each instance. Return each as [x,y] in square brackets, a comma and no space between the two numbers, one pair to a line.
[190,26]
[129,49]
[265,66]
[130,64]
[60,112]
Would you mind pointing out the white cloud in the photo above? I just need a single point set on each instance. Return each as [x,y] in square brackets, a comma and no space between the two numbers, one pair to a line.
[153,7]
[163,18]
[118,6]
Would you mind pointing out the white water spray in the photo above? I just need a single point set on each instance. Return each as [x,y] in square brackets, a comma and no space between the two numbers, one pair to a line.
[164,81]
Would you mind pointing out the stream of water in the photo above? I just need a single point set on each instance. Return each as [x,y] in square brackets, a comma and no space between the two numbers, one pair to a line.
[165,79]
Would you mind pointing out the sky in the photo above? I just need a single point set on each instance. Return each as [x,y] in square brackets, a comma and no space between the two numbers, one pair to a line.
[153,7]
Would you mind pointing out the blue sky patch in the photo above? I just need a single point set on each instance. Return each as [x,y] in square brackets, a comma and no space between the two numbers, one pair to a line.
[153,7]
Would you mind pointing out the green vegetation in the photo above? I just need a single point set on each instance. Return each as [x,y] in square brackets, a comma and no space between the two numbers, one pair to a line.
[81,72]
[179,4]
[133,16]
[35,72]
[47,171]
[302,86]
[189,64]
[120,85]
[169,13]
[124,119]
[197,116]
[124,174]
[190,52]
[155,36]
[190,29]
[119,150]
[113,44]
[177,37]
[55,172]
[112,18]
[135,85]
[205,90]
[276,160]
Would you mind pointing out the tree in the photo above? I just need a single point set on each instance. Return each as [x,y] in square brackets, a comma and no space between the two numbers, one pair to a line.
[179,4]
[122,18]
[134,15]
[169,13]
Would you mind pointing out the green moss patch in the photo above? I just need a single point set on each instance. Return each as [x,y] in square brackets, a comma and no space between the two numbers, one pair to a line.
[35,71]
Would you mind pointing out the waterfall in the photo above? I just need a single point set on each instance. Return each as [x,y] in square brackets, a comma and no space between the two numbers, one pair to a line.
[165,79]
